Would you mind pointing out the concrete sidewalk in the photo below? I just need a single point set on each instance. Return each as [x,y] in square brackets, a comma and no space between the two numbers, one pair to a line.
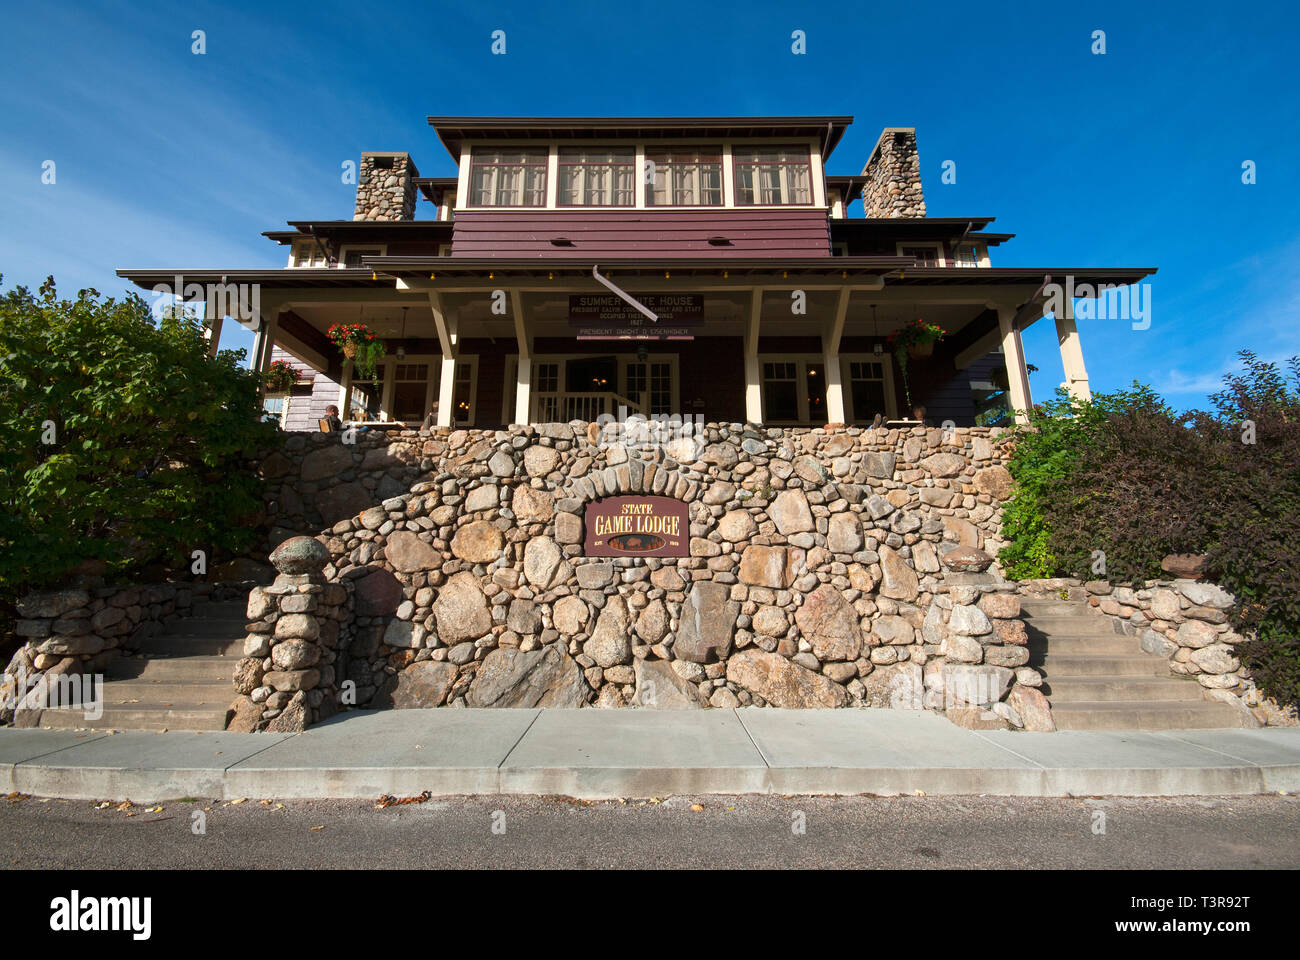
[642,753]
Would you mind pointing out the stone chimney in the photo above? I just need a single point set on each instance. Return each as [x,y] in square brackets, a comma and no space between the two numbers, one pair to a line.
[386,187]
[893,175]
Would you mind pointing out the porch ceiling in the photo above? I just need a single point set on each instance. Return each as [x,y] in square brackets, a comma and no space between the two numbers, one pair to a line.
[725,314]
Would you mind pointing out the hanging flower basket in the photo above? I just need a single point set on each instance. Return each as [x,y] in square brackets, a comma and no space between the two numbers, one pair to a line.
[916,339]
[279,377]
[358,343]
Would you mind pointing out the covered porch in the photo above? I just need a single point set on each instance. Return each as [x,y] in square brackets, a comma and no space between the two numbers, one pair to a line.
[492,342]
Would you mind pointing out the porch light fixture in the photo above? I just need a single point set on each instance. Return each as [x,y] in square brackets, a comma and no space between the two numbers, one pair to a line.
[667,275]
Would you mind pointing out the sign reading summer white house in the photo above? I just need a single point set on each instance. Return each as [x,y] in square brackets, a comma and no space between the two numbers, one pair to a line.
[637,527]
[608,317]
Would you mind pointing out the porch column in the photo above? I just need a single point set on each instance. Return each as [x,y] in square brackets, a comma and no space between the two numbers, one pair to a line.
[213,335]
[524,368]
[264,340]
[753,382]
[447,338]
[1076,376]
[831,337]
[1014,356]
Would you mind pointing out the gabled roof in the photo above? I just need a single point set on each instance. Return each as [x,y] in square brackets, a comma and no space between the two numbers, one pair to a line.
[453,131]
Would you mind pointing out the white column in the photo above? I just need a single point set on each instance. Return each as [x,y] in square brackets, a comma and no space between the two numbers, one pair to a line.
[1076,375]
[389,374]
[446,388]
[1013,355]
[264,340]
[345,388]
[524,368]
[753,382]
[831,337]
[213,335]
[447,338]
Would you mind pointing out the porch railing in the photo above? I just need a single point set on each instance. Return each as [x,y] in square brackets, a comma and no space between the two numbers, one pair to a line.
[562,407]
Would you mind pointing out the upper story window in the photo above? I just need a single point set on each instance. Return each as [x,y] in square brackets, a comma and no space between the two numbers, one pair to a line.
[508,178]
[966,256]
[773,175]
[352,256]
[927,254]
[685,179]
[308,255]
[596,178]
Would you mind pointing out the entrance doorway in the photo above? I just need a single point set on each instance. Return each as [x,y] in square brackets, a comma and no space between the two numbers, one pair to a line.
[586,386]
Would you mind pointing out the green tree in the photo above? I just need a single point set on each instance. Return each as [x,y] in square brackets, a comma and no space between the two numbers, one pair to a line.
[123,441]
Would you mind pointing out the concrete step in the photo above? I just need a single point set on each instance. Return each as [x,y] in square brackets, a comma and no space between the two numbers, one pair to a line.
[192,646]
[1160,715]
[234,608]
[1120,688]
[1051,608]
[199,669]
[1062,665]
[177,694]
[1081,626]
[203,627]
[1114,645]
[138,717]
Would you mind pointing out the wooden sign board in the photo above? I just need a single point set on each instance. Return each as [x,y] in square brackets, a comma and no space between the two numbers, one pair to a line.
[607,317]
[637,527]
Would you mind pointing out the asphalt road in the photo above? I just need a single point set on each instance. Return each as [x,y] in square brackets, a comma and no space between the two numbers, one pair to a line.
[726,832]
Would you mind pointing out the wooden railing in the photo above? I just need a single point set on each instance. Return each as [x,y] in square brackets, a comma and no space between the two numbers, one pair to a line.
[561,407]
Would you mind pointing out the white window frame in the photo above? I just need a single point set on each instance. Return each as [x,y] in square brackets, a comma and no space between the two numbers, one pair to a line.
[886,360]
[940,259]
[784,168]
[346,248]
[585,168]
[530,147]
[315,261]
[803,360]
[385,376]
[647,189]
[512,378]
[470,362]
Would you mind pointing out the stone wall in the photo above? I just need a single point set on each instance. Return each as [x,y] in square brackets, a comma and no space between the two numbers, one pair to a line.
[286,679]
[80,630]
[386,187]
[893,173]
[824,570]
[314,479]
[1186,620]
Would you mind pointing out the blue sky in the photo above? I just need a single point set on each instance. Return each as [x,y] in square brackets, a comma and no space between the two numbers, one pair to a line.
[1134,158]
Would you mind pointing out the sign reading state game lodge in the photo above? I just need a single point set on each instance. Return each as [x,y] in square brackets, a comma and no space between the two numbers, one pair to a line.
[637,527]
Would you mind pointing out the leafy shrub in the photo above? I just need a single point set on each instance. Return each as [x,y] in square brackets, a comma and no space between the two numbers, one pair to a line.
[1125,475]
[124,442]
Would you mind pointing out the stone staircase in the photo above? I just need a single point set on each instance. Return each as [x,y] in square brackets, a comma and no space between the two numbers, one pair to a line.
[1098,678]
[180,679]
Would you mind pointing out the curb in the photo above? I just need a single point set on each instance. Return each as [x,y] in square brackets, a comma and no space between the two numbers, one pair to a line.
[595,754]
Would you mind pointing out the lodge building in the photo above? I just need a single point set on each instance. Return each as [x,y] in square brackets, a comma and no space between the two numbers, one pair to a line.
[701,266]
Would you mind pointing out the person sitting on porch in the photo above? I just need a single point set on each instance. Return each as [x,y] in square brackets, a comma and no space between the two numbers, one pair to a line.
[431,419]
[918,414]
[330,423]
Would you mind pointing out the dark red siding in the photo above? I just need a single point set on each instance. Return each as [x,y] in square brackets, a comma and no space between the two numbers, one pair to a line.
[641,233]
